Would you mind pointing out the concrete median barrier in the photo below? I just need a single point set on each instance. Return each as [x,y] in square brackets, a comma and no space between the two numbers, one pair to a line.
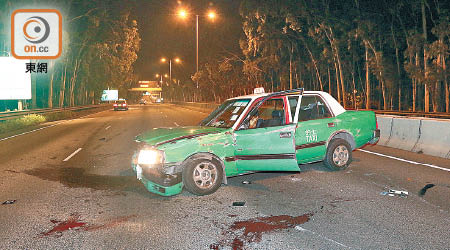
[385,126]
[434,138]
[405,133]
[416,134]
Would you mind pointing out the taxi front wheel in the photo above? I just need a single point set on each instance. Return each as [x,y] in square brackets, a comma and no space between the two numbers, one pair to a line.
[202,176]
[339,154]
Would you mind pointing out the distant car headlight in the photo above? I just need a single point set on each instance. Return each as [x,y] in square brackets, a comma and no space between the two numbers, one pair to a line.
[150,156]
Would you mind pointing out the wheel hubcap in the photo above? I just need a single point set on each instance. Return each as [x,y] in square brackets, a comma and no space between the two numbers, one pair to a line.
[340,155]
[205,175]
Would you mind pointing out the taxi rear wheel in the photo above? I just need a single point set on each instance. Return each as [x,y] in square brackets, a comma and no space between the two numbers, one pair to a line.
[339,154]
[202,176]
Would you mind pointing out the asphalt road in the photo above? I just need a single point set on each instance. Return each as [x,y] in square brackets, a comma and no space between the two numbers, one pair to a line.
[92,199]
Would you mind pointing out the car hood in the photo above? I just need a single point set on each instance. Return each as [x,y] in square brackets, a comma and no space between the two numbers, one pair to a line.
[159,136]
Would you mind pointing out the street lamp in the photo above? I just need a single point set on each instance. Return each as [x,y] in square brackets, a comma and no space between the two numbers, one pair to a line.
[177,60]
[182,13]
[161,81]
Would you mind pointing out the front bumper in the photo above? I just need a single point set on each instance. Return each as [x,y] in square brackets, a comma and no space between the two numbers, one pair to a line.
[157,182]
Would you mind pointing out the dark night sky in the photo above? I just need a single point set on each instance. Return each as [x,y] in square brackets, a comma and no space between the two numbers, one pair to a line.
[164,34]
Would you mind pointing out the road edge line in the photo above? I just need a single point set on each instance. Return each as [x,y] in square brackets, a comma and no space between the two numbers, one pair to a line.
[404,160]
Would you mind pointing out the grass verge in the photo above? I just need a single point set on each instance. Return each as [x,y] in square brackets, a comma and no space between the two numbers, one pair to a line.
[20,123]
[34,120]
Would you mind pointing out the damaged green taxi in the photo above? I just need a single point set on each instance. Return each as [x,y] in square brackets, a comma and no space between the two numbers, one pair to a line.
[259,132]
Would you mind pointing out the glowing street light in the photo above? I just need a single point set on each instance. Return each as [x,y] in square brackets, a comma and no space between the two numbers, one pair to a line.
[177,60]
[157,76]
[182,13]
[212,15]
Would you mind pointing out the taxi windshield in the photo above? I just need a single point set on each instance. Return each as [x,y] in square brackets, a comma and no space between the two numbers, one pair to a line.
[226,114]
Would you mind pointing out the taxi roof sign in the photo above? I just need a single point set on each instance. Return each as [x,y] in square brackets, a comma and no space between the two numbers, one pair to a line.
[259,90]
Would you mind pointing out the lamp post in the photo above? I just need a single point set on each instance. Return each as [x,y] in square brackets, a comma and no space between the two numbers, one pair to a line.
[182,13]
[161,81]
[176,59]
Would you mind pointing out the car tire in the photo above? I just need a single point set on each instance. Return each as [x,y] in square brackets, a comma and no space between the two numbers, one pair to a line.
[339,155]
[202,176]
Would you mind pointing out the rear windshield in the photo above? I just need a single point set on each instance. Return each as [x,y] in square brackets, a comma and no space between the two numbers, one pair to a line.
[121,102]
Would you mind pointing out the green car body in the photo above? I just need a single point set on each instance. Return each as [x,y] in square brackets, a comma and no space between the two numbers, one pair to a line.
[238,149]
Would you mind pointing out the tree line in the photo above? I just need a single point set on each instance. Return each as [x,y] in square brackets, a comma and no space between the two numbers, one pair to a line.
[390,55]
[100,45]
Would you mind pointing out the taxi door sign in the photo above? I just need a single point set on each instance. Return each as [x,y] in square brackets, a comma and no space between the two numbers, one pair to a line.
[36,33]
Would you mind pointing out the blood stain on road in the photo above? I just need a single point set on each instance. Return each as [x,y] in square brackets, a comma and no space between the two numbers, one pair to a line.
[71,223]
[74,223]
[250,231]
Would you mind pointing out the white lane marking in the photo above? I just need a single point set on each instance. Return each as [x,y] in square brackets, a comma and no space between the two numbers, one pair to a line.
[299,228]
[74,153]
[176,124]
[107,127]
[24,133]
[408,161]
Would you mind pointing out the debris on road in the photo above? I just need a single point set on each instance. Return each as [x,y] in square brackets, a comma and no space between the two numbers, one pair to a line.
[238,203]
[295,178]
[393,192]
[246,182]
[8,202]
[424,189]
[12,171]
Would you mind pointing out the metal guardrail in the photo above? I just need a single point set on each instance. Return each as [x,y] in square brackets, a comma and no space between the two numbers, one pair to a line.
[7,115]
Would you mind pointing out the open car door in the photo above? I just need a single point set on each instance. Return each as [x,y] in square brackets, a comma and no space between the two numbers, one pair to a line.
[265,140]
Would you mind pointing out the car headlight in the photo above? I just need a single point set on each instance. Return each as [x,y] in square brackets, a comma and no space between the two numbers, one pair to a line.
[150,156]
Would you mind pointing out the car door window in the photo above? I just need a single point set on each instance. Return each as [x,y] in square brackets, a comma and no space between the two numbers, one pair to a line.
[293,101]
[269,114]
[313,107]
[324,112]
